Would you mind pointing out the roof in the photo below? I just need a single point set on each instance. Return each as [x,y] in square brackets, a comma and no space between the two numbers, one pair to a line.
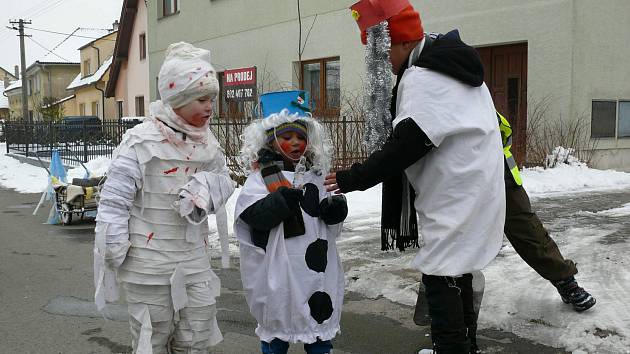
[101,37]
[13,85]
[38,63]
[88,80]
[4,101]
[8,72]
[123,39]
[59,101]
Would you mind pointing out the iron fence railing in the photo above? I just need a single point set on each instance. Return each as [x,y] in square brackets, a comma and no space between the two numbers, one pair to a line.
[88,140]
[83,141]
[346,135]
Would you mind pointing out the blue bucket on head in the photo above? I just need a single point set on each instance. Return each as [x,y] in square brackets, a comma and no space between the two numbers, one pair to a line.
[294,101]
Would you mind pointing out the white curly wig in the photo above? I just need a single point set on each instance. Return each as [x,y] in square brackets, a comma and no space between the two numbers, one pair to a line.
[318,149]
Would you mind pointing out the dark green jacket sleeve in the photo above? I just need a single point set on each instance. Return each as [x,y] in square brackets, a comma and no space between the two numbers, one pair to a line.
[407,145]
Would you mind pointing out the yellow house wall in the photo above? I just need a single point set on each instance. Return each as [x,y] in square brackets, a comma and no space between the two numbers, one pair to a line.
[88,94]
[105,50]
[15,104]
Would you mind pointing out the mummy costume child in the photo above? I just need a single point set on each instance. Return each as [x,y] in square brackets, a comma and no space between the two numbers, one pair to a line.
[287,227]
[166,176]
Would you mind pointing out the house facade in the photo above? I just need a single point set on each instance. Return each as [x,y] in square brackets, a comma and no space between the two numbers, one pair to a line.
[128,81]
[6,77]
[89,85]
[13,93]
[4,103]
[45,83]
[565,56]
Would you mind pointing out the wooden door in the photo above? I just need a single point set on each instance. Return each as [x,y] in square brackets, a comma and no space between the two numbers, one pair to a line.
[505,69]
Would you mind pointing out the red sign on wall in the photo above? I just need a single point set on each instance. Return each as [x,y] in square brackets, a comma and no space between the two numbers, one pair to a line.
[240,84]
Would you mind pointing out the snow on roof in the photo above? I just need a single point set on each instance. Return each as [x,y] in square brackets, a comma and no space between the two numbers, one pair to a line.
[88,80]
[4,101]
[59,101]
[13,85]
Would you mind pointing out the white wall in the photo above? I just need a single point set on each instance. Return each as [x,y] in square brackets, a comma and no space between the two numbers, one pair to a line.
[577,49]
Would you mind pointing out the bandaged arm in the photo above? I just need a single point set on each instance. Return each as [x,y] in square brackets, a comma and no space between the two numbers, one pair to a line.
[124,179]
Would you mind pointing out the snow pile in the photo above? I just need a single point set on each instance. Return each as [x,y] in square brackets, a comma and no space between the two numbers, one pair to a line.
[624,210]
[568,179]
[562,156]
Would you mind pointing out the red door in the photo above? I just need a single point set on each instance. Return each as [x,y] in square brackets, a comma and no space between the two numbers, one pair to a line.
[506,77]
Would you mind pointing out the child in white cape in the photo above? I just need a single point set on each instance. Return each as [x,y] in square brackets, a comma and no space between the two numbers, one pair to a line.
[287,227]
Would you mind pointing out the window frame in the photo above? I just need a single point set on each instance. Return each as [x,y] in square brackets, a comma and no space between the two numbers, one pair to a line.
[139,106]
[617,118]
[323,94]
[120,108]
[175,8]
[617,134]
[142,39]
[94,108]
[88,70]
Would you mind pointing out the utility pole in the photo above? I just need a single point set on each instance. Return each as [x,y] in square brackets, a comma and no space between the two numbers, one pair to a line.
[25,116]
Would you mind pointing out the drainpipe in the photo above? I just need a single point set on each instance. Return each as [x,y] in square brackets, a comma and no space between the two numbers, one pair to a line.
[102,99]
[98,61]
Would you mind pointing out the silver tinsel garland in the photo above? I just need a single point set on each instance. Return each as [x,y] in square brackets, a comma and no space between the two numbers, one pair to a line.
[378,120]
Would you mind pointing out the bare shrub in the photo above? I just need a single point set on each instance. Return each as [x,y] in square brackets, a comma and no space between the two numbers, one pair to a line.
[545,132]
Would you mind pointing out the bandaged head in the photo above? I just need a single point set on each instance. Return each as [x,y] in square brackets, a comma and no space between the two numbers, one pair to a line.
[186,75]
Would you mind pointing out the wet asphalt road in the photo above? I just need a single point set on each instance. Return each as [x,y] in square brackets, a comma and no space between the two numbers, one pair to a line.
[46,291]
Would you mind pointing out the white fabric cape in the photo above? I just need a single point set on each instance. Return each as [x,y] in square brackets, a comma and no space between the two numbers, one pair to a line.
[460,193]
[278,282]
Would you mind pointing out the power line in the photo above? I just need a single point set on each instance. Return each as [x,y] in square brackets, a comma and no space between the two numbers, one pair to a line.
[46,8]
[60,43]
[67,34]
[50,51]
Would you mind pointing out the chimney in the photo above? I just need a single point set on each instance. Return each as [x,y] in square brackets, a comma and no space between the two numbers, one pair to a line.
[115,26]
[16,71]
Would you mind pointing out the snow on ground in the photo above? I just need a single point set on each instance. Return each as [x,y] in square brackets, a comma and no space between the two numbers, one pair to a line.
[568,179]
[516,298]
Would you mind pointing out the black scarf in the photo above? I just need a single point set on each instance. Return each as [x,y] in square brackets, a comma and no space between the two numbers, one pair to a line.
[399,225]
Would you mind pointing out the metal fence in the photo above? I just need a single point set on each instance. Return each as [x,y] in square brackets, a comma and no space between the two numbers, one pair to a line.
[346,135]
[76,142]
[86,141]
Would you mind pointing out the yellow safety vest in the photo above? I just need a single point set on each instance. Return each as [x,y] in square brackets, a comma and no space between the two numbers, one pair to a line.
[506,137]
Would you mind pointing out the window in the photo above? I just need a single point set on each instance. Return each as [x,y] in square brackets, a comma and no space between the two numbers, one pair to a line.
[143,46]
[29,87]
[623,125]
[87,69]
[320,78]
[603,118]
[119,109]
[610,119]
[82,109]
[169,7]
[140,106]
[95,108]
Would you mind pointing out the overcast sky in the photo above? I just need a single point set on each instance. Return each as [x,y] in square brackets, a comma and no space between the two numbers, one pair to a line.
[63,16]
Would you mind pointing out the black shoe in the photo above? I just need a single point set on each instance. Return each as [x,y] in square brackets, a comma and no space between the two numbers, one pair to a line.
[572,293]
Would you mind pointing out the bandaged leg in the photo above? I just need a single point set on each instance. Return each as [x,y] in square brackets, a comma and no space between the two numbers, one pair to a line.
[150,317]
[197,328]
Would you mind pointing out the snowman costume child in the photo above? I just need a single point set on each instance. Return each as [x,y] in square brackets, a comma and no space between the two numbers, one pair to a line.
[287,227]
[166,176]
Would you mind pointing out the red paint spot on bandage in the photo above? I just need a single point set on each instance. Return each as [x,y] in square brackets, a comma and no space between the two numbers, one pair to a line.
[172,170]
[150,237]
[187,168]
[171,85]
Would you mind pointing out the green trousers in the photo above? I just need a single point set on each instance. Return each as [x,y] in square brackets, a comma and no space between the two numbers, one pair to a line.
[529,237]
